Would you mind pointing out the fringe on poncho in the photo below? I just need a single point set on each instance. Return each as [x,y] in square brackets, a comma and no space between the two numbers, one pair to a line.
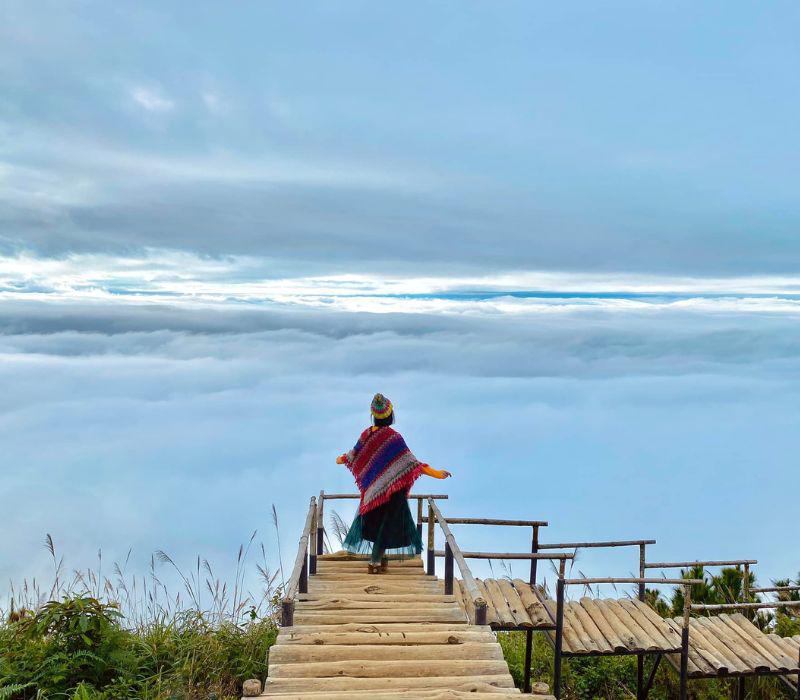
[382,465]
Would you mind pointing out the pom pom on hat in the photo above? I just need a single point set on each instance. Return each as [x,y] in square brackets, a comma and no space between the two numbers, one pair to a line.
[381,406]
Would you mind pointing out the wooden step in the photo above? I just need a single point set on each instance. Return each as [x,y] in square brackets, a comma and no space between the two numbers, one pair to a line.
[362,563]
[310,654]
[417,694]
[319,685]
[382,600]
[383,627]
[455,636]
[389,669]
[347,556]
[389,635]
[337,617]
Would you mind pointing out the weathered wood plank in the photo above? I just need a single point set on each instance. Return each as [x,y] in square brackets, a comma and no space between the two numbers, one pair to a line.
[333,617]
[398,638]
[311,685]
[388,669]
[310,654]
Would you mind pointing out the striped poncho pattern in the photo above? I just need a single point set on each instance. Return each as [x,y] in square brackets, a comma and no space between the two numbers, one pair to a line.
[382,465]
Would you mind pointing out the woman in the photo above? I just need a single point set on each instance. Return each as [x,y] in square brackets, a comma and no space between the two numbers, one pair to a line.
[385,470]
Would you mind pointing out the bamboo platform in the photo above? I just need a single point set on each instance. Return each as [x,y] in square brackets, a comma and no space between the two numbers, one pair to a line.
[386,636]
[731,645]
[606,626]
[510,605]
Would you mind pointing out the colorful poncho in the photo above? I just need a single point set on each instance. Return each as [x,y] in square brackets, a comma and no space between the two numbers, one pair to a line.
[382,465]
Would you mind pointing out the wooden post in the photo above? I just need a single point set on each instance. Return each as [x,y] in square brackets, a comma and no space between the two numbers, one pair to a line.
[287,613]
[419,518]
[431,556]
[528,653]
[321,524]
[312,559]
[559,637]
[746,593]
[448,569]
[534,550]
[303,586]
[480,613]
[640,691]
[652,676]
[741,688]
[687,608]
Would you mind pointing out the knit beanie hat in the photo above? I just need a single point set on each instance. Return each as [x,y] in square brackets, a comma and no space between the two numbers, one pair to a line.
[381,407]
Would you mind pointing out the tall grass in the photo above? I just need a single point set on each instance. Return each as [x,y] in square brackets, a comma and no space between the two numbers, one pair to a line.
[103,632]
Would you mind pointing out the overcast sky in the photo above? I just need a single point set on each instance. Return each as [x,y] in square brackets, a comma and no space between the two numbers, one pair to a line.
[562,237]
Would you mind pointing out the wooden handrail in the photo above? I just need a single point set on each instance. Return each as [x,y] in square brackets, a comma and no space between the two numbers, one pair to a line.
[587,545]
[510,555]
[470,584]
[493,521]
[775,589]
[747,606]
[424,496]
[690,564]
[675,581]
[299,576]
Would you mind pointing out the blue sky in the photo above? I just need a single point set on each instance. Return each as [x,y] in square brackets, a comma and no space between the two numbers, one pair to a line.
[562,237]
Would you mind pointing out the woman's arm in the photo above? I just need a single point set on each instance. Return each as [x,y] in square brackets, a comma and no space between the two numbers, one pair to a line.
[428,470]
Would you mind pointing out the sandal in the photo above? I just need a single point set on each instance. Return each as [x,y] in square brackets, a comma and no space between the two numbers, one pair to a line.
[374,568]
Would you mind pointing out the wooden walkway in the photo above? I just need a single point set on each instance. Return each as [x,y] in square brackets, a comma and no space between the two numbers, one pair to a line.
[404,633]
[392,635]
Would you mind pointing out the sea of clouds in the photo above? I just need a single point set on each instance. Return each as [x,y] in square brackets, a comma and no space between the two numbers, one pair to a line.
[135,421]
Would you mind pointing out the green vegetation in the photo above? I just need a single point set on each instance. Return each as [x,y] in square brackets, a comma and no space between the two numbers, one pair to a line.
[97,638]
[93,638]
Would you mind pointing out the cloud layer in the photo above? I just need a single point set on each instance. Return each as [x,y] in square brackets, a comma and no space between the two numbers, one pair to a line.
[173,427]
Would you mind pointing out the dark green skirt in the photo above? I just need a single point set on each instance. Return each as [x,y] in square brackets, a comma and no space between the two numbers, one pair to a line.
[387,529]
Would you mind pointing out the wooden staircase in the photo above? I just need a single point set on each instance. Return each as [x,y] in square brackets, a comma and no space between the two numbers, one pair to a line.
[390,635]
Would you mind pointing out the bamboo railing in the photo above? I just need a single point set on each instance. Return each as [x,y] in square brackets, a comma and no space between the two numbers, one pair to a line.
[453,552]
[298,580]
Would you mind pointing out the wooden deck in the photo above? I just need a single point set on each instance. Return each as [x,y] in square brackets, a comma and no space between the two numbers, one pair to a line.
[392,635]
